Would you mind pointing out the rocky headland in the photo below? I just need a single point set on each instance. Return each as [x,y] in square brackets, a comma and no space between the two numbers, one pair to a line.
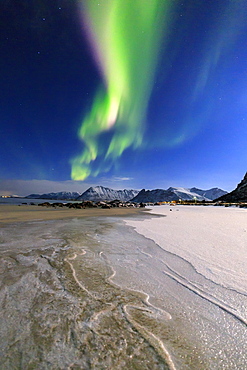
[237,195]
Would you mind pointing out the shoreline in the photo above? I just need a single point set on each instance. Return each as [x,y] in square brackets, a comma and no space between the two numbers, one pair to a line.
[59,294]
[123,281]
[22,213]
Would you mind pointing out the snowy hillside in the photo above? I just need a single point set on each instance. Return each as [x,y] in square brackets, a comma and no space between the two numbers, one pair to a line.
[176,193]
[101,193]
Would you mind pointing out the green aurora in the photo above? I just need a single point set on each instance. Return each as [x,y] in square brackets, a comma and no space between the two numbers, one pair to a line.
[125,36]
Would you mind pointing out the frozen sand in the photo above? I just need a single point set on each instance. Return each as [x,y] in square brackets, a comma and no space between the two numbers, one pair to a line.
[202,253]
[213,239]
[91,293]
[59,306]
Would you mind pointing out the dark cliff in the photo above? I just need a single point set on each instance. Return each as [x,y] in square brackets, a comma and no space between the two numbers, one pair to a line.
[237,195]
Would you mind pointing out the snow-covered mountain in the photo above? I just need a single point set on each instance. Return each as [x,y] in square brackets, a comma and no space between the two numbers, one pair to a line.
[160,195]
[62,195]
[156,195]
[187,194]
[199,194]
[33,196]
[98,193]
[210,194]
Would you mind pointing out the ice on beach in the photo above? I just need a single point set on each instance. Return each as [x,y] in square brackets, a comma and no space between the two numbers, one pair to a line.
[174,291]
[212,239]
[202,252]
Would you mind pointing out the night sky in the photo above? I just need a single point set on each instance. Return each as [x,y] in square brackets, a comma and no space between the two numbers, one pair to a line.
[122,93]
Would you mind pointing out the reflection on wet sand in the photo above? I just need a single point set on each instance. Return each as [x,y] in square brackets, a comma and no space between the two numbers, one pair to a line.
[69,300]
[60,310]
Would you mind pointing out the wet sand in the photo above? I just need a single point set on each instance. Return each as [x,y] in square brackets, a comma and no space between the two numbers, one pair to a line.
[80,289]
[14,213]
[60,307]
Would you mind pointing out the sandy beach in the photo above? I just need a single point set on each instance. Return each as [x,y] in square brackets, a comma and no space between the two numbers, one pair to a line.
[59,305]
[123,288]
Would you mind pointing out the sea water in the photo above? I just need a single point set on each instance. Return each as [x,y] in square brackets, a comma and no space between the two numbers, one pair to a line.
[94,294]
[22,201]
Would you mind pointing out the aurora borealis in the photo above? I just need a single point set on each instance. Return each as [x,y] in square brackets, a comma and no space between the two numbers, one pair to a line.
[126,45]
[124,93]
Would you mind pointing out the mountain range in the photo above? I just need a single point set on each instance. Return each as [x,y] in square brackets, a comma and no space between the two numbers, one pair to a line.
[100,193]
[161,195]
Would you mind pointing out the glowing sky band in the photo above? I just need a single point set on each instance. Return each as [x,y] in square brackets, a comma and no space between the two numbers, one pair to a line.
[125,37]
